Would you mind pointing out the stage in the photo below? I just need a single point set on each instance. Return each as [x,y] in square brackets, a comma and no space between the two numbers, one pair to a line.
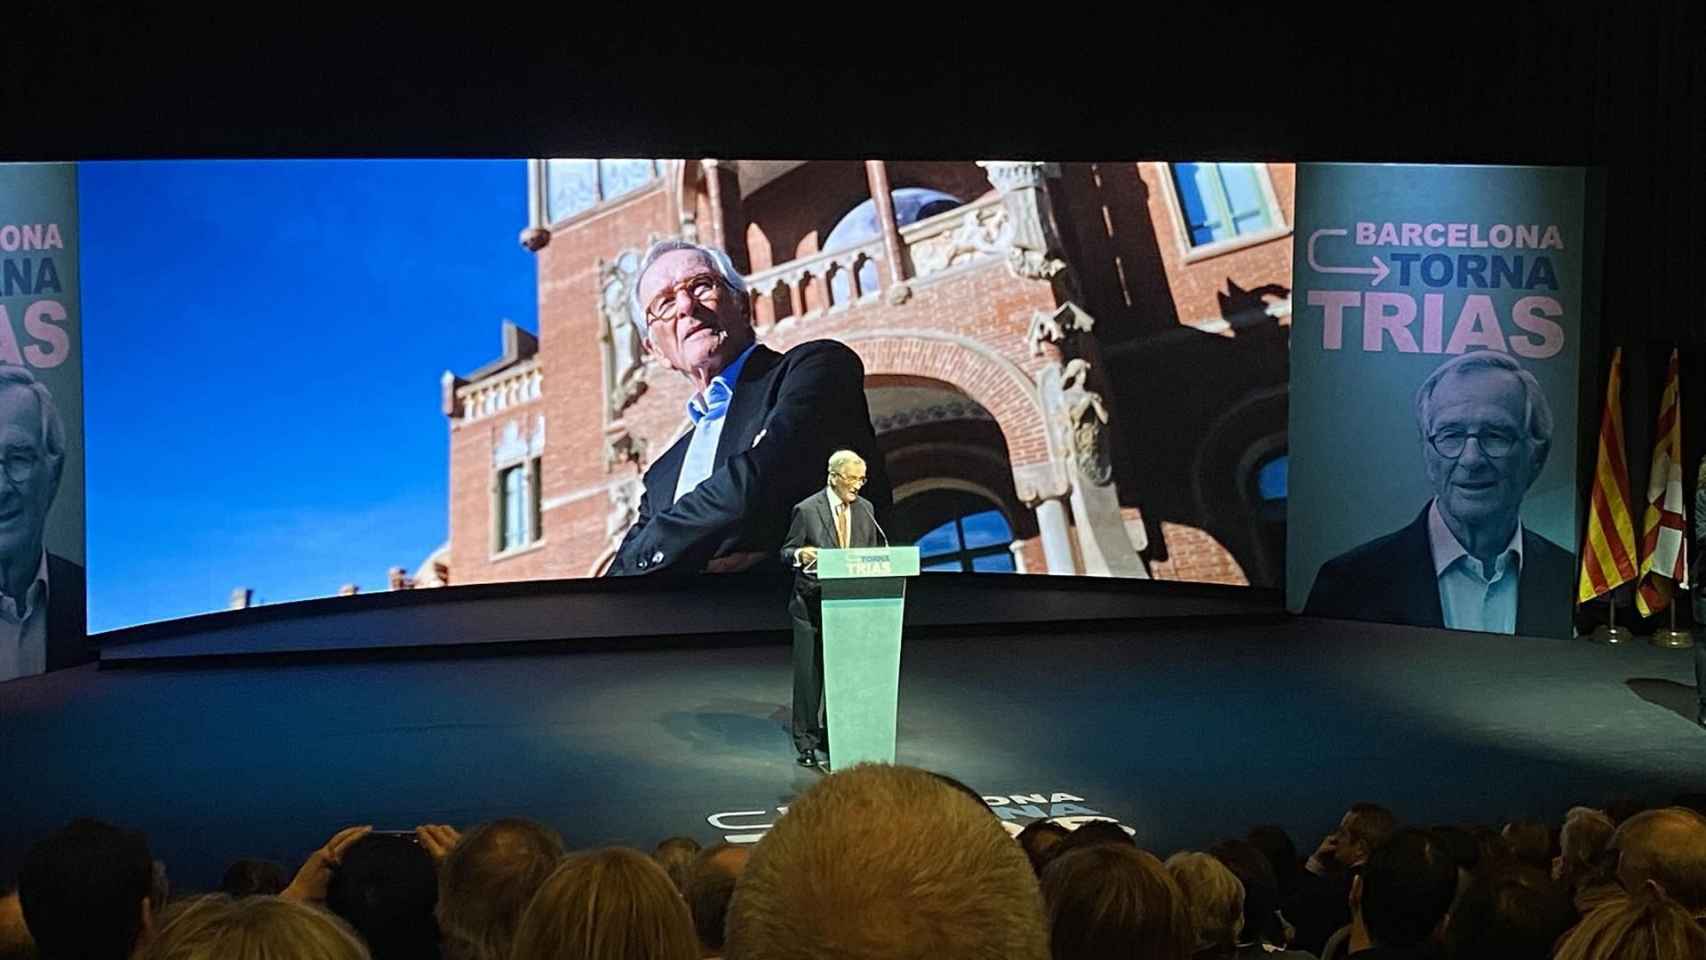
[1184,729]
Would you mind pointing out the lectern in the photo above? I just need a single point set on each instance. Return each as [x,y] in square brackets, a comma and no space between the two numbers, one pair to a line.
[864,593]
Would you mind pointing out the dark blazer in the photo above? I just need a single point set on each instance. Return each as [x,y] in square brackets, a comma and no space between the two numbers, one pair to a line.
[789,413]
[67,615]
[1391,580]
[813,525]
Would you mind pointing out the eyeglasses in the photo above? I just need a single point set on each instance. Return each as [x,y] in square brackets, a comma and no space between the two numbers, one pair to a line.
[853,482]
[19,465]
[700,287]
[1494,443]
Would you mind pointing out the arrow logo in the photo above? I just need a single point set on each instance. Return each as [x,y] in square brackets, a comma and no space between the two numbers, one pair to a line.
[1379,270]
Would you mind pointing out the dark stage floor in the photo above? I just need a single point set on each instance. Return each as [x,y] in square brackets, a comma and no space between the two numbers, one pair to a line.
[1185,732]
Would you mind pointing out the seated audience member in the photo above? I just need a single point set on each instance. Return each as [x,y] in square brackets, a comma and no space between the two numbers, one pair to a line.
[1515,914]
[1321,904]
[1094,834]
[248,878]
[1460,846]
[15,941]
[1115,901]
[1276,845]
[386,887]
[1665,851]
[1214,900]
[486,880]
[1586,864]
[1531,842]
[886,861]
[217,927]
[87,892]
[1041,840]
[675,855]
[1264,931]
[710,886]
[1643,927]
[611,904]
[1494,852]
[1400,898]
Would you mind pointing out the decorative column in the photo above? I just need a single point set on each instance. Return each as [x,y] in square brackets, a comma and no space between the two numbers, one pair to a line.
[538,232]
[894,268]
[1044,487]
[1034,251]
[728,222]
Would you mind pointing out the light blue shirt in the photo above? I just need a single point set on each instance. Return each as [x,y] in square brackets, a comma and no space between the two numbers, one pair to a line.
[1471,597]
[707,415]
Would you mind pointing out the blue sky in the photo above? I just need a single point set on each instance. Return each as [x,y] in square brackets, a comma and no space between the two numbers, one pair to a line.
[262,350]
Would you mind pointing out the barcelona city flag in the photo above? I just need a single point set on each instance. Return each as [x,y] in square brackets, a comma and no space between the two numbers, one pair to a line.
[1608,555]
[1664,536]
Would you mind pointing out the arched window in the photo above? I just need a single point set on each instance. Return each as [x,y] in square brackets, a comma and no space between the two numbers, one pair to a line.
[911,204]
[973,543]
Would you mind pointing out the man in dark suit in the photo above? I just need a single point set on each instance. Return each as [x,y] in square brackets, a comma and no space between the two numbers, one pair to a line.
[43,623]
[836,517]
[763,422]
[1466,561]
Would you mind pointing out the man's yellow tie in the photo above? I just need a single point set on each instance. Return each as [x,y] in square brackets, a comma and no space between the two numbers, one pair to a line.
[841,512]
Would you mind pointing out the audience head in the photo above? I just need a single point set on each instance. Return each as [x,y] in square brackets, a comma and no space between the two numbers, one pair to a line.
[15,940]
[248,878]
[1494,851]
[1261,892]
[1404,890]
[1514,914]
[1281,852]
[1113,900]
[87,891]
[1643,927]
[1041,840]
[710,887]
[1531,842]
[675,855]
[611,904]
[1095,833]
[1214,898]
[1663,849]
[487,880]
[963,788]
[1582,848]
[386,887]
[886,861]
[1363,827]
[218,927]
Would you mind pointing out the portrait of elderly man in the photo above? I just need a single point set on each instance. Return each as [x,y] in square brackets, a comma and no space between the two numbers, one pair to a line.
[42,614]
[763,423]
[1466,561]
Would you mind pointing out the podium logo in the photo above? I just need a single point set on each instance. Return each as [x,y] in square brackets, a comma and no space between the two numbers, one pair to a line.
[1015,811]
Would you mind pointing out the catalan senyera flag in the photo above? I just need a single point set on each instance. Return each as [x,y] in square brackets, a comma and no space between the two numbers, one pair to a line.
[1664,528]
[1608,554]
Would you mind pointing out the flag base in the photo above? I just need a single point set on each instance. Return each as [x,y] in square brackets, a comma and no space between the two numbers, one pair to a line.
[1612,636]
[1671,638]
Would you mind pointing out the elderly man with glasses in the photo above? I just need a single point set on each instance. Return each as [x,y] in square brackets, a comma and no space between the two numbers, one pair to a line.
[764,423]
[1466,561]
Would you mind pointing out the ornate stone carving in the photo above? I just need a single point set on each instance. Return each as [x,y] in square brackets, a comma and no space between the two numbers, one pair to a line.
[1050,333]
[1033,244]
[624,447]
[624,508]
[981,232]
[512,446]
[621,333]
[1087,419]
[1037,482]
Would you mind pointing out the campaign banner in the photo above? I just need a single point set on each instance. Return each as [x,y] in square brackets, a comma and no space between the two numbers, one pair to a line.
[42,592]
[1435,350]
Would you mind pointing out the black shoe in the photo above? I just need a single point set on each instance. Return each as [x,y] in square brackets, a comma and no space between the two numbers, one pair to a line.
[806,759]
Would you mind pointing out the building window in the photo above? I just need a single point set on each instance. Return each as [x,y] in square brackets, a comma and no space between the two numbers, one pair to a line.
[572,186]
[1219,203]
[518,506]
[978,543]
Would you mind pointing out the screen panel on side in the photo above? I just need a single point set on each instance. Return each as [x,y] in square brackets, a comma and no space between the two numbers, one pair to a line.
[314,377]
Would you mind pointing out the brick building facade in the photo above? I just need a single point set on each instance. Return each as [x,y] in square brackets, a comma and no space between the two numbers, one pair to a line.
[1087,359]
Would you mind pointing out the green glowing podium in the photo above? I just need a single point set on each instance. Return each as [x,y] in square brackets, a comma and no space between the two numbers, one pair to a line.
[864,592]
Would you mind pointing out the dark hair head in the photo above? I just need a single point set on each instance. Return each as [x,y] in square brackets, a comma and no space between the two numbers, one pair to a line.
[675,855]
[1041,840]
[1276,845]
[1493,851]
[1513,914]
[1370,824]
[1531,842]
[486,881]
[1459,844]
[248,878]
[1115,901]
[1095,833]
[1407,887]
[82,889]
[1261,890]
[710,886]
[386,888]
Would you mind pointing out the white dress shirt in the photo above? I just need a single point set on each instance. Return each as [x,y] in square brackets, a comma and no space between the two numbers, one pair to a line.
[23,632]
[707,413]
[1470,596]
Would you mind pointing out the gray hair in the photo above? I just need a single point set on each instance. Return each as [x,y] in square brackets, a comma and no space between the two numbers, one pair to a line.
[1214,897]
[719,259]
[1537,411]
[843,458]
[52,427]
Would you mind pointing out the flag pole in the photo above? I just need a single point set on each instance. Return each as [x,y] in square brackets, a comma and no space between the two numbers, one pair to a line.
[1672,638]
[1609,632]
